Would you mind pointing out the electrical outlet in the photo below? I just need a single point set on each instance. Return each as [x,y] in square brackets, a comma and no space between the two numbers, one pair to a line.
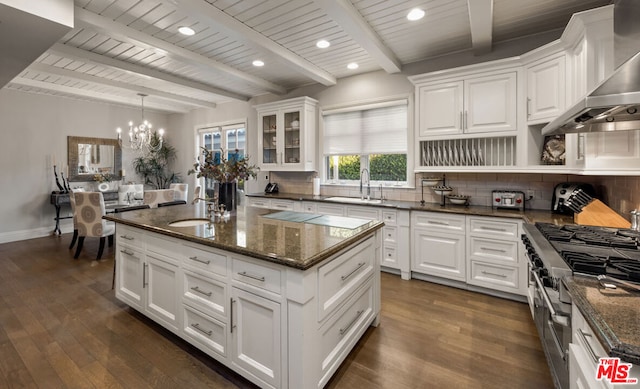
[530,194]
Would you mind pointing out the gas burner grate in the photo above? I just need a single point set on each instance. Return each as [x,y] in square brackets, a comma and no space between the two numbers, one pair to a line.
[585,263]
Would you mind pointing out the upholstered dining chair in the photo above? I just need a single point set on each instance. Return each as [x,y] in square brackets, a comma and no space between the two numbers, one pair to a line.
[153,197]
[131,194]
[72,202]
[181,191]
[89,210]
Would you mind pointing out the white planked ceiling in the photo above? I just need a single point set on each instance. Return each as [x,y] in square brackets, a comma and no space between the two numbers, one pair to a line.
[120,48]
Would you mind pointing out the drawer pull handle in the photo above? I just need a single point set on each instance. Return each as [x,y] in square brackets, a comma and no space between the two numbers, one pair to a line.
[198,290]
[492,249]
[197,327]
[127,252]
[493,274]
[351,323]
[437,222]
[584,336]
[127,237]
[353,271]
[195,258]
[245,274]
[144,275]
[493,229]
[231,325]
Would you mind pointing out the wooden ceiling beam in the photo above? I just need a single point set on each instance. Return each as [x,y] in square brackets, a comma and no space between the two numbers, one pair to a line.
[50,69]
[481,21]
[350,20]
[127,34]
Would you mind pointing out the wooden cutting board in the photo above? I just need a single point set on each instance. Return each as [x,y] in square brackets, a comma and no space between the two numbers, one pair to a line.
[596,213]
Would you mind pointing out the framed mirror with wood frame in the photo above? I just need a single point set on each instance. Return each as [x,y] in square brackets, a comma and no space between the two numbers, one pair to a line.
[90,156]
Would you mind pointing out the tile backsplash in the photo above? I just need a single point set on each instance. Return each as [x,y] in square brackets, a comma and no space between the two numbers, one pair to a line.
[621,193]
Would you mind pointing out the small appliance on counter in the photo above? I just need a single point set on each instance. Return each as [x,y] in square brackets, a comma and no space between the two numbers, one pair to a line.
[508,199]
[562,192]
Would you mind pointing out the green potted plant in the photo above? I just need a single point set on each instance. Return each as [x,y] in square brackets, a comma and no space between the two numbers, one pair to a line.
[154,165]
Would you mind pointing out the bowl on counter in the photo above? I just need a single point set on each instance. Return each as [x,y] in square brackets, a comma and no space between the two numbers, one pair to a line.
[442,189]
[431,181]
[459,199]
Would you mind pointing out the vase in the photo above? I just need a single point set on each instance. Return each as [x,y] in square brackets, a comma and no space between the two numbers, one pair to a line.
[227,195]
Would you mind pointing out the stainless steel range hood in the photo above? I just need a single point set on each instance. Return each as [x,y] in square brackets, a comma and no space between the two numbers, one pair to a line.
[614,105]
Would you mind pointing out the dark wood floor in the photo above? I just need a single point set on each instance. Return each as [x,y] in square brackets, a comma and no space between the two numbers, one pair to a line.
[60,326]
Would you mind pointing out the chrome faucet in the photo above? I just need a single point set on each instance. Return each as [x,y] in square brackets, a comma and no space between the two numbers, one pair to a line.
[368,184]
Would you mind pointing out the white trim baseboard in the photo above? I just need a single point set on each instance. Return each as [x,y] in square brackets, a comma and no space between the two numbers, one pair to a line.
[14,236]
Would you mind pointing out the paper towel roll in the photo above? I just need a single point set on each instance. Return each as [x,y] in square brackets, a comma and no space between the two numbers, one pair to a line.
[316,186]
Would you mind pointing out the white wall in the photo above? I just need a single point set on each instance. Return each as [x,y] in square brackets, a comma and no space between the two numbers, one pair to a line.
[33,129]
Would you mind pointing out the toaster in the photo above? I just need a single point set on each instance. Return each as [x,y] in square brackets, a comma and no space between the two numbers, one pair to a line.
[562,192]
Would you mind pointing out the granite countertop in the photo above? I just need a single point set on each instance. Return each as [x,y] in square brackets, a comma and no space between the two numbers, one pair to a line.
[529,216]
[288,238]
[613,314]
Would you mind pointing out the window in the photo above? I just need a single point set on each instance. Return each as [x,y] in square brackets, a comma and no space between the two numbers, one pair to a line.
[372,137]
[230,138]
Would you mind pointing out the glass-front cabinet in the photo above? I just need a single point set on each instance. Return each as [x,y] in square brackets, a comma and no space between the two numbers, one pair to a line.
[287,134]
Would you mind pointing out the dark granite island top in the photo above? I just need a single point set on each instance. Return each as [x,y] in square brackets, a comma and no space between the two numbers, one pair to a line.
[288,238]
[613,314]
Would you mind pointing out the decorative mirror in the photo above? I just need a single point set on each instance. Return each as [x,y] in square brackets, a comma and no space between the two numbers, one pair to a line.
[90,156]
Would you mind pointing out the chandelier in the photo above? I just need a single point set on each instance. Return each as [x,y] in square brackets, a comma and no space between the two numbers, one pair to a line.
[141,137]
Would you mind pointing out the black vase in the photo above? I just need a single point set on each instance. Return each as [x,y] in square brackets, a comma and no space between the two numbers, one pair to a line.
[227,195]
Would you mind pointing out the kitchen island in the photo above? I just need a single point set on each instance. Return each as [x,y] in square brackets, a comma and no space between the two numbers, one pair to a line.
[279,297]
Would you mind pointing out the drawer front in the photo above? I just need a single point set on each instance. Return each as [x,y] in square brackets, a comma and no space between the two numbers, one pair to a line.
[309,207]
[258,275]
[206,332]
[330,209]
[259,203]
[389,217]
[204,293]
[389,256]
[363,213]
[493,250]
[439,222]
[197,258]
[494,229]
[343,329]
[168,247]
[283,205]
[390,234]
[128,236]
[494,276]
[340,277]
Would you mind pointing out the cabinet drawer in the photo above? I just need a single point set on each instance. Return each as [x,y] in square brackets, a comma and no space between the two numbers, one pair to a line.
[259,203]
[339,278]
[343,329]
[205,332]
[439,222]
[494,229]
[390,234]
[168,247]
[493,276]
[204,293]
[493,250]
[258,275]
[389,254]
[363,213]
[309,207]
[131,237]
[330,209]
[212,261]
[284,205]
[389,217]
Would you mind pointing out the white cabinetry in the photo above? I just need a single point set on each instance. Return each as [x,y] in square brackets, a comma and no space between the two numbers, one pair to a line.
[437,248]
[493,247]
[469,100]
[546,88]
[287,135]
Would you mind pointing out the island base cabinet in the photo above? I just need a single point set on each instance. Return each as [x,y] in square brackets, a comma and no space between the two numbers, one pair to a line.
[205,332]
[129,275]
[439,254]
[162,297]
[255,337]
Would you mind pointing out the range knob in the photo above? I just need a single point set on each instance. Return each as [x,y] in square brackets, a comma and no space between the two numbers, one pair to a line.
[498,199]
[518,200]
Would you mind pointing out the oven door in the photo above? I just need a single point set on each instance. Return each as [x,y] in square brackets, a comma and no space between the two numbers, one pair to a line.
[554,329]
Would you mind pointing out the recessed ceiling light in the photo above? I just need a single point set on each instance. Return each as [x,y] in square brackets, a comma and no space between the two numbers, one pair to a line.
[352,66]
[415,14]
[257,62]
[184,30]
[323,44]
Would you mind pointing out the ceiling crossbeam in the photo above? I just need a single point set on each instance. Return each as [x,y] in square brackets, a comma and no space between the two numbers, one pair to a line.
[481,21]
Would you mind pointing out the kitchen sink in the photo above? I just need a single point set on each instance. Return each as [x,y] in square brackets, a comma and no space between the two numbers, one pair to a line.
[354,200]
[189,222]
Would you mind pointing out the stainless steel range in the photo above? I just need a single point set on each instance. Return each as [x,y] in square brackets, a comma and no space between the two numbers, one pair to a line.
[556,251]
